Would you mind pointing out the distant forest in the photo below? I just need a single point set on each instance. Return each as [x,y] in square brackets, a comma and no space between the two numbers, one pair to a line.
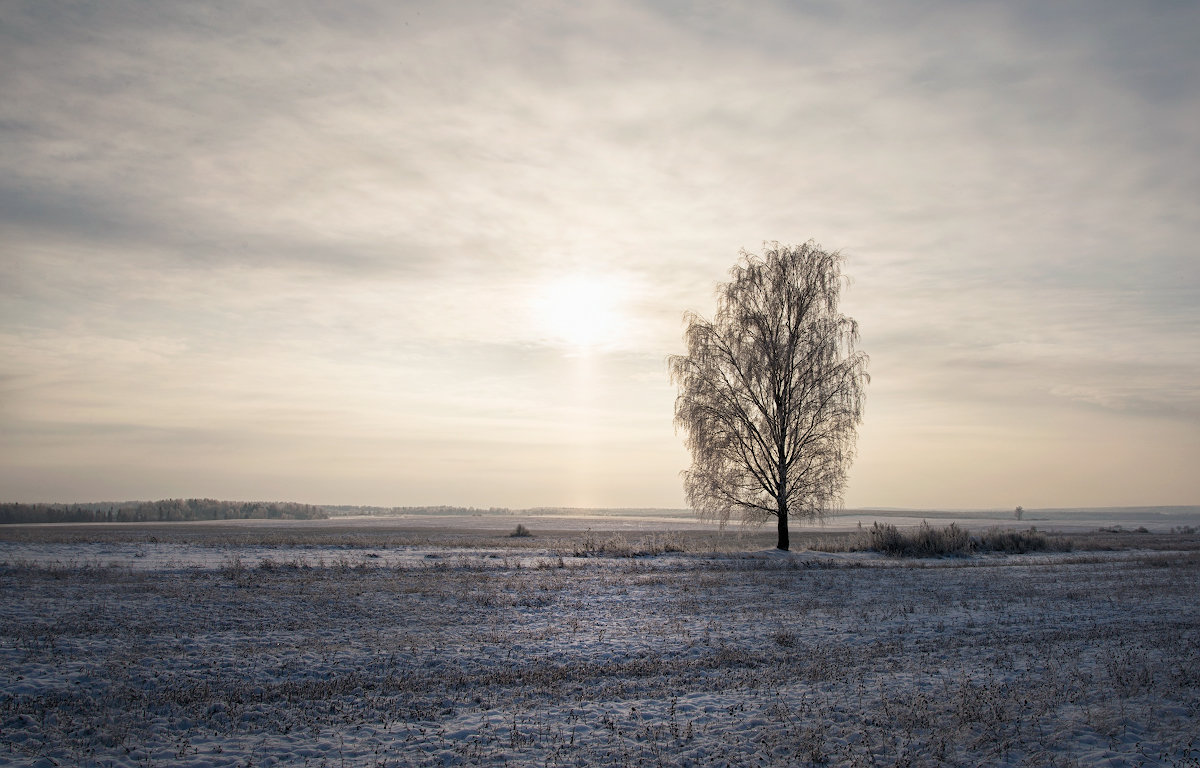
[176,510]
[166,510]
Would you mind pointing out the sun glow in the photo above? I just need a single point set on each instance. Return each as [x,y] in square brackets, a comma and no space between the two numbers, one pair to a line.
[583,312]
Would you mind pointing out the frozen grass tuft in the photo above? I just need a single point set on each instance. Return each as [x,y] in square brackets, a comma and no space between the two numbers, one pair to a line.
[616,545]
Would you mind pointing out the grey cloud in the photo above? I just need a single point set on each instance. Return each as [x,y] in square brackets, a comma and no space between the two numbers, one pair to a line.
[1009,180]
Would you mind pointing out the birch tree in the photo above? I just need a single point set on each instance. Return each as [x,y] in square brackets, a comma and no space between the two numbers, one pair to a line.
[771,391]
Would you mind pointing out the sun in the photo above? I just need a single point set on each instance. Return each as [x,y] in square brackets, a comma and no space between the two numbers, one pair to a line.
[585,312]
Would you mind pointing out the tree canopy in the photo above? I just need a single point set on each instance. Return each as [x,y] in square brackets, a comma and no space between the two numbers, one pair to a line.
[771,390]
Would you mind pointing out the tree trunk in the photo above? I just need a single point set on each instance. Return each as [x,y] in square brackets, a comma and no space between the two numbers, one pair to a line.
[783,529]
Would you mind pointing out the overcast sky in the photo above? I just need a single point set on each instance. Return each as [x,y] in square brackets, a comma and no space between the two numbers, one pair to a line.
[405,253]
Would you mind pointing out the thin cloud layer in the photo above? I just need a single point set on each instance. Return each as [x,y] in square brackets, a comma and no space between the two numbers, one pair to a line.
[261,251]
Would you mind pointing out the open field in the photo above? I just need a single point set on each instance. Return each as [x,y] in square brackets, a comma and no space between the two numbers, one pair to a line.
[353,643]
[404,538]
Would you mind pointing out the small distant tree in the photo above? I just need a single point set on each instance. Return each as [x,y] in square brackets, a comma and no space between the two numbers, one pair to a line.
[1018,512]
[771,390]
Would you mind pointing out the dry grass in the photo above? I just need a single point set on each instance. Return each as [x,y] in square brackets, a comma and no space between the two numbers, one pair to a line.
[656,660]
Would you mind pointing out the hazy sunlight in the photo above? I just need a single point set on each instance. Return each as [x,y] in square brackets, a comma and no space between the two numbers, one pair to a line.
[582,311]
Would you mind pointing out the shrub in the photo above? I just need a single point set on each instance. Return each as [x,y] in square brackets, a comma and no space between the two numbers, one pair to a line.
[520,532]
[1018,542]
[925,541]
[921,542]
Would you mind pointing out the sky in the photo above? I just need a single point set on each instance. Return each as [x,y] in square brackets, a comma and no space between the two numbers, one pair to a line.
[411,253]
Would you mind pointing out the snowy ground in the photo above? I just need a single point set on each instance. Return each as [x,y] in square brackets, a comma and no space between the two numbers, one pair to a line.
[202,653]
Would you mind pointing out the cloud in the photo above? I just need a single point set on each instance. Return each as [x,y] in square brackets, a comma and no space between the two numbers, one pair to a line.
[345,211]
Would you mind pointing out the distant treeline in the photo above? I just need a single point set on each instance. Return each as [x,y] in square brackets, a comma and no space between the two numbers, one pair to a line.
[167,510]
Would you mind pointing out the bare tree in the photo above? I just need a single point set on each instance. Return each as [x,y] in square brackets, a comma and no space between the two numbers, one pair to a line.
[771,390]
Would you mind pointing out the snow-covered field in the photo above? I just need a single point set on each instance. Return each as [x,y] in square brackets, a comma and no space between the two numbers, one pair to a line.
[230,652]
